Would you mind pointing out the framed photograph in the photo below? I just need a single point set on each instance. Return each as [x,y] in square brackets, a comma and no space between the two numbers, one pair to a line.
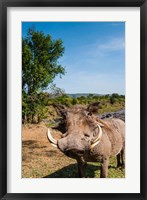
[73,99]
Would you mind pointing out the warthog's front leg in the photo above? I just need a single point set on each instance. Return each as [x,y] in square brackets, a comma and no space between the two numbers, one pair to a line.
[82,169]
[118,160]
[104,167]
[123,157]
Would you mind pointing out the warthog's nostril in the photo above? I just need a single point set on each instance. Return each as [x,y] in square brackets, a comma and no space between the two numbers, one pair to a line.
[87,135]
[67,150]
[79,152]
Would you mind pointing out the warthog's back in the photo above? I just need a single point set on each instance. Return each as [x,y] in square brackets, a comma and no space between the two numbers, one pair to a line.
[116,135]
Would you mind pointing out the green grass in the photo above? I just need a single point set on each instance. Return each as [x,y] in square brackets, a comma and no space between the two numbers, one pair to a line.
[113,171]
[92,171]
[107,107]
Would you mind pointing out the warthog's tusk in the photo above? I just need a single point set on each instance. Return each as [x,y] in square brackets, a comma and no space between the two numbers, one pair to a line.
[54,145]
[99,135]
[94,144]
[97,140]
[51,139]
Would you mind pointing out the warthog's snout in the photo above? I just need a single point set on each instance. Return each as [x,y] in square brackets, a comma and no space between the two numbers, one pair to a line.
[62,144]
[70,146]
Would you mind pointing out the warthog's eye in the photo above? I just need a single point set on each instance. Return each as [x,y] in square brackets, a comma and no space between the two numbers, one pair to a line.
[89,113]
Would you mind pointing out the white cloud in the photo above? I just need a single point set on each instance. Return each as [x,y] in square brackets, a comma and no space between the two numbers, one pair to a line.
[93,54]
[114,44]
[99,49]
[88,69]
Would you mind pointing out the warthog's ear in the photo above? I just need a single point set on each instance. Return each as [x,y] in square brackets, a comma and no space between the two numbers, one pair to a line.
[61,109]
[61,126]
[93,108]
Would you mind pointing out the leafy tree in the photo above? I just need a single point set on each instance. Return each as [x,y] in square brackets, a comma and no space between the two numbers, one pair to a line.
[74,101]
[114,97]
[90,95]
[40,54]
[55,91]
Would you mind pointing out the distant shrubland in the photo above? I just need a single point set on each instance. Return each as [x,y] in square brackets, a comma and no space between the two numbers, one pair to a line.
[45,110]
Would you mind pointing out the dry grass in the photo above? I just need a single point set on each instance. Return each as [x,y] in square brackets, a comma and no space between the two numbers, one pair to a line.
[40,159]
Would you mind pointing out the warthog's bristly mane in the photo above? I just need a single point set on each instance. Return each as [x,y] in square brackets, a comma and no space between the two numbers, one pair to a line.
[91,119]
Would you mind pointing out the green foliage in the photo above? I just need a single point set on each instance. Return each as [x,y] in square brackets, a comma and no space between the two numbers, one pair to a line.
[74,101]
[114,97]
[90,95]
[55,91]
[34,107]
[39,60]
[105,101]
[40,54]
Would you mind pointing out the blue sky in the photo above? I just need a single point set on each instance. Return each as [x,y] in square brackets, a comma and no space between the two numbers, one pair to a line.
[94,57]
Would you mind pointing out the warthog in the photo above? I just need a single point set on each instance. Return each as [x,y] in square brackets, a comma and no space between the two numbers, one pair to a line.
[87,138]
